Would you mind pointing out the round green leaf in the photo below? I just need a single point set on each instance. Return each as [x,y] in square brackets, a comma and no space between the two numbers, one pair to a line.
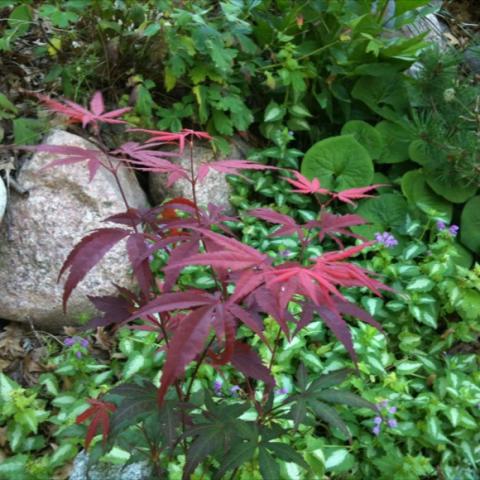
[385,212]
[470,224]
[449,187]
[339,163]
[396,141]
[420,152]
[419,194]
[365,135]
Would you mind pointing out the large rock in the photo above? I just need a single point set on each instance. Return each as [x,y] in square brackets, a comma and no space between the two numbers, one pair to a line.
[108,471]
[213,189]
[60,209]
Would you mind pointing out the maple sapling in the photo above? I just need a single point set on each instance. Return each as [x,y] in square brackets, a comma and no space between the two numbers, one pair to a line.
[202,326]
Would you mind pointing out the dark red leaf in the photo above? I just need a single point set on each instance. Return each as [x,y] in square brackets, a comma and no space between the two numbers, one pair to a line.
[86,254]
[176,301]
[138,253]
[339,327]
[348,308]
[116,310]
[249,363]
[187,342]
[100,414]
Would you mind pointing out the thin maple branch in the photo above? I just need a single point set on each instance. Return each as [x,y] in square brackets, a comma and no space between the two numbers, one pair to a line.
[274,351]
[197,367]
[193,180]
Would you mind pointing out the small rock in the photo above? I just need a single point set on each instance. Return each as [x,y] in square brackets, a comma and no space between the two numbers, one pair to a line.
[213,189]
[3,199]
[108,471]
[471,57]
[60,209]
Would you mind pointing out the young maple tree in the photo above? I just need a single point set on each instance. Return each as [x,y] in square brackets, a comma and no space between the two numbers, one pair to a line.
[201,326]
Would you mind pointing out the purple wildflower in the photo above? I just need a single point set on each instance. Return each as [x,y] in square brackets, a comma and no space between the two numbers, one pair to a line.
[376,430]
[84,342]
[281,391]
[386,239]
[441,225]
[392,410]
[453,230]
[69,341]
[392,423]
[377,420]
[79,354]
[234,389]
[383,404]
[217,387]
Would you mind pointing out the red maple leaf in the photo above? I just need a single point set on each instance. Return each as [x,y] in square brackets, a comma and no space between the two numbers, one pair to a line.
[304,185]
[169,137]
[351,194]
[77,113]
[100,413]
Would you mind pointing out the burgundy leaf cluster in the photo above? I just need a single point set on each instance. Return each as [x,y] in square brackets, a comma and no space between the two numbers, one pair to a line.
[202,325]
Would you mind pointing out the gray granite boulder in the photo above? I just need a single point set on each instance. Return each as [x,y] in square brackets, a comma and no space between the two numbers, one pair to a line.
[108,471]
[60,209]
[213,189]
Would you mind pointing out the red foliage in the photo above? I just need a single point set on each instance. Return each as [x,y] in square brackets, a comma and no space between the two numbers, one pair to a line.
[197,324]
[100,418]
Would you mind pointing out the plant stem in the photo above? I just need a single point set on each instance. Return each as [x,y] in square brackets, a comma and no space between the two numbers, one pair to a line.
[197,367]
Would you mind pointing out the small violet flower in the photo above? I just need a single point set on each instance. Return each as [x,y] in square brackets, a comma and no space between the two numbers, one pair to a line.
[377,420]
[441,225]
[217,387]
[453,230]
[281,391]
[71,341]
[386,239]
[376,430]
[392,410]
[79,354]
[234,390]
[392,423]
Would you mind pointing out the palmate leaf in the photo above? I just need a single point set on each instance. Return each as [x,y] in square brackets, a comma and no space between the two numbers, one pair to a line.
[339,328]
[301,377]
[268,466]
[298,411]
[286,453]
[187,342]
[328,415]
[346,398]
[238,455]
[86,254]
[211,439]
[329,379]
[248,362]
[137,401]
[137,248]
[116,310]
[99,412]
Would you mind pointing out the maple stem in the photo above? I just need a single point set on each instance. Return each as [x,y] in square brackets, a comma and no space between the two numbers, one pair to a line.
[197,367]
[275,345]
[193,181]
[113,170]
